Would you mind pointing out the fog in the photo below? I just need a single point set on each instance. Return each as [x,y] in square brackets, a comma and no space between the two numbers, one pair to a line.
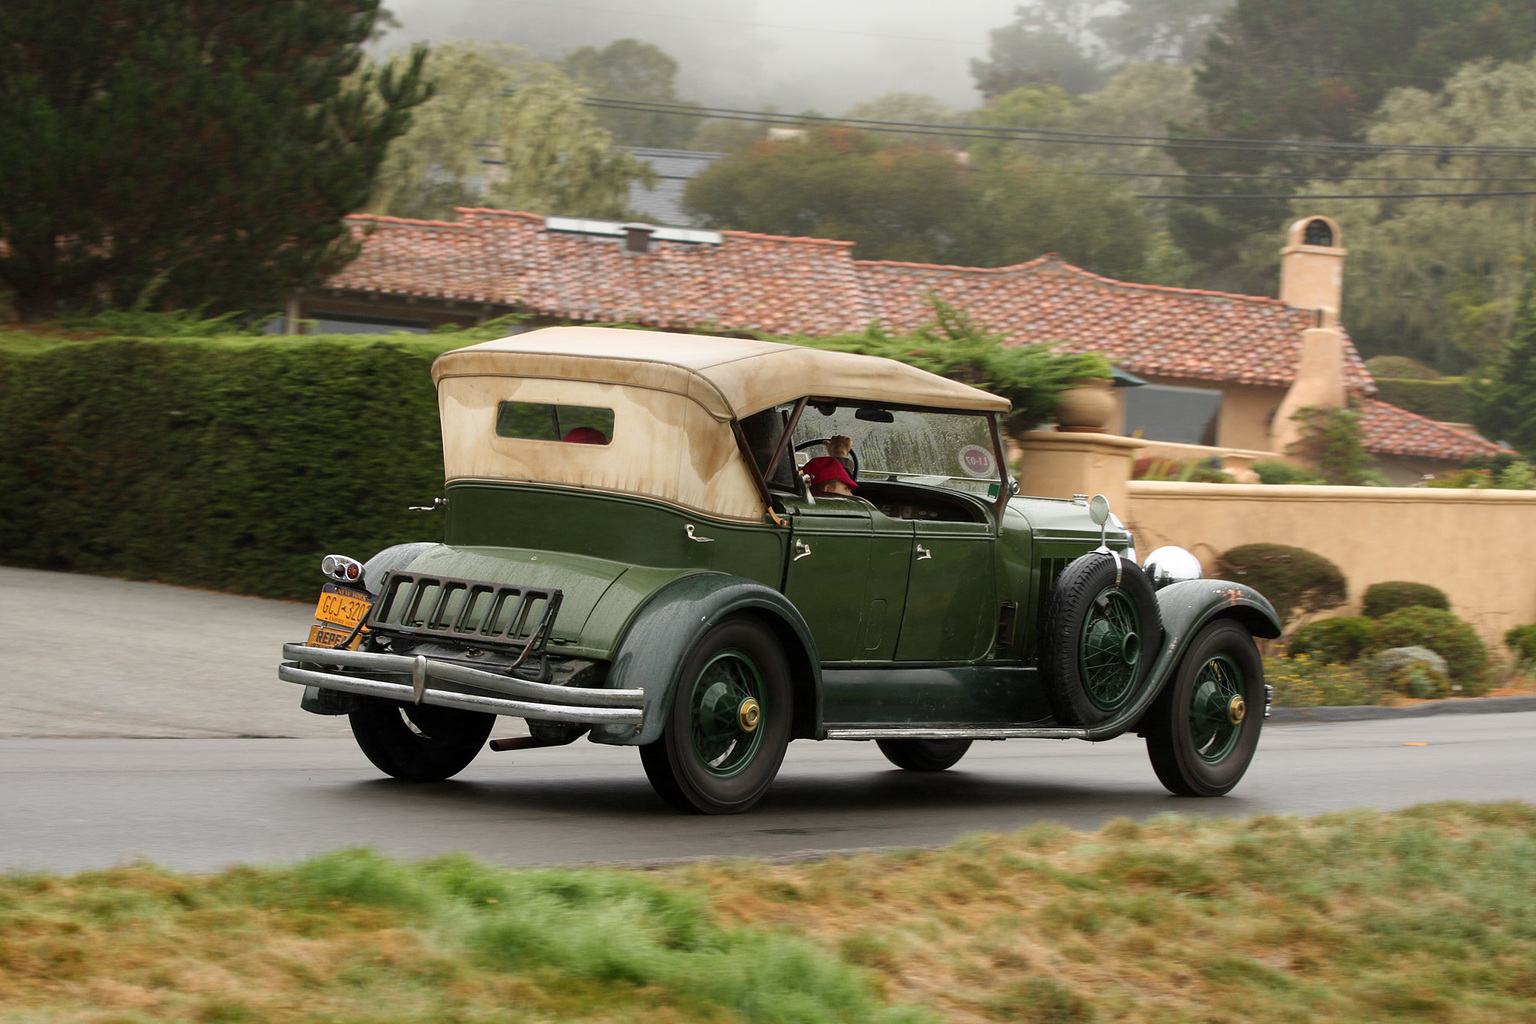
[824,55]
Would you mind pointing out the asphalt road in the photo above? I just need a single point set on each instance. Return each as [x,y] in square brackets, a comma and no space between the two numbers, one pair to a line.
[206,798]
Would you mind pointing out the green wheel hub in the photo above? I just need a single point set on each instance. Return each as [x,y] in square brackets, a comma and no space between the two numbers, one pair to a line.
[727,707]
[1217,709]
[1111,651]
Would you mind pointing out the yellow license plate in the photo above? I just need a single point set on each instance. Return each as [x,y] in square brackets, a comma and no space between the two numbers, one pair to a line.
[344,608]
[331,636]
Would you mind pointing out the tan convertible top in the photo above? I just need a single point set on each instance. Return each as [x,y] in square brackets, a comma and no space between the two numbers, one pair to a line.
[729,377]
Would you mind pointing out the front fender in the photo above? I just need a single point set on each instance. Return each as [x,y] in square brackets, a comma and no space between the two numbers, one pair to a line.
[661,635]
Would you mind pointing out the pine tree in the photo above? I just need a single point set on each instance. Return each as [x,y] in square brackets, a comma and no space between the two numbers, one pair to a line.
[207,149]
[1505,403]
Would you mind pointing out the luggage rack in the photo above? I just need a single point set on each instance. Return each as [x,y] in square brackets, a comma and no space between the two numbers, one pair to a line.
[463,611]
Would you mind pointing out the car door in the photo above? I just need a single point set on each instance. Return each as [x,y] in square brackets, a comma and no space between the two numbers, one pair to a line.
[847,578]
[951,601]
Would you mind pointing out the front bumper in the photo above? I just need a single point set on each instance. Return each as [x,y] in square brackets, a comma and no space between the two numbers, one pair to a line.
[406,678]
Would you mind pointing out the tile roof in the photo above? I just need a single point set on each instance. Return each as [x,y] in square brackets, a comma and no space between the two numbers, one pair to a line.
[1393,431]
[781,285]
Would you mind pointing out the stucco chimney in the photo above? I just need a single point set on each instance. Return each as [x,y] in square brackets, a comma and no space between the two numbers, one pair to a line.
[1312,267]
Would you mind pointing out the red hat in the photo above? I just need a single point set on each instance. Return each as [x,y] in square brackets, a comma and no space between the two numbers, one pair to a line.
[585,435]
[825,468]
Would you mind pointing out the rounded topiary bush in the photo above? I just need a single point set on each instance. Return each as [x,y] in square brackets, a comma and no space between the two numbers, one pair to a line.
[1448,636]
[1401,368]
[1385,598]
[1522,641]
[1295,580]
[1333,641]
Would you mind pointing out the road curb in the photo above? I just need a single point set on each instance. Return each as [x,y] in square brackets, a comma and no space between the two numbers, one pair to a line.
[1366,712]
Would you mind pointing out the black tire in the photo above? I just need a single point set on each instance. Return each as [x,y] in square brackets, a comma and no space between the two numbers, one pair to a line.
[1195,746]
[709,759]
[923,755]
[418,742]
[1102,634]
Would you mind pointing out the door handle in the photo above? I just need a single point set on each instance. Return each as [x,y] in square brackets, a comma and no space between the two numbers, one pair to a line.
[700,540]
[802,549]
[922,553]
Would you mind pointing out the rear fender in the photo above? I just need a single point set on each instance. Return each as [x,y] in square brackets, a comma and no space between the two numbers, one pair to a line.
[663,633]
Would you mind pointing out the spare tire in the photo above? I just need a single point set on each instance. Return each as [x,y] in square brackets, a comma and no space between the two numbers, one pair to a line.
[1102,634]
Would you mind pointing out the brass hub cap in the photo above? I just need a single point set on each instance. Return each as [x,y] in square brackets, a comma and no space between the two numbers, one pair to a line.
[749,714]
[1237,710]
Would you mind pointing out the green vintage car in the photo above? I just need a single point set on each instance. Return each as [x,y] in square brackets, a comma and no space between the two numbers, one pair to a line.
[632,553]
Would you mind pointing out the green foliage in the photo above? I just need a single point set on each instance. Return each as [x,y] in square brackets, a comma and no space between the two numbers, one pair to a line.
[214,146]
[1400,368]
[1334,442]
[494,103]
[1445,634]
[1505,403]
[918,203]
[1385,598]
[1195,471]
[1296,581]
[1522,641]
[223,463]
[632,70]
[1336,641]
[1032,377]
[1273,471]
[1447,400]
[1310,681]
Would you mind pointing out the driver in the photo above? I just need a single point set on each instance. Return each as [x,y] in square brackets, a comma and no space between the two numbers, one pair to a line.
[829,478]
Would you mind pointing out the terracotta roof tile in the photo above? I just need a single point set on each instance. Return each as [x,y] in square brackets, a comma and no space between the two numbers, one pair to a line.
[1393,431]
[783,285]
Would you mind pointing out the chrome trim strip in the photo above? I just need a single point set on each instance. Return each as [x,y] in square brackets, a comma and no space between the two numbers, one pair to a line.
[443,698]
[906,732]
[404,665]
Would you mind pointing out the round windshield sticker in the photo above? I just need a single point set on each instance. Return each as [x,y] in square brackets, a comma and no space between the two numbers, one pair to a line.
[977,461]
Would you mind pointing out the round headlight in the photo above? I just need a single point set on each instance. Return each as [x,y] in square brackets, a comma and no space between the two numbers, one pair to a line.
[1172,564]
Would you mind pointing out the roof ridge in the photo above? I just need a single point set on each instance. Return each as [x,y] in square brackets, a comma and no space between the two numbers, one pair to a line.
[788,238]
[407,220]
[956,266]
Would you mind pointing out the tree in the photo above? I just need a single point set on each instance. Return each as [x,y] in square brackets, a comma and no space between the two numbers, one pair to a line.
[1505,402]
[922,203]
[505,130]
[1159,30]
[1316,70]
[632,70]
[1035,51]
[1440,279]
[210,149]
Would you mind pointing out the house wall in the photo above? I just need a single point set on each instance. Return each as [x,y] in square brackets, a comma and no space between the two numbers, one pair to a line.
[1469,543]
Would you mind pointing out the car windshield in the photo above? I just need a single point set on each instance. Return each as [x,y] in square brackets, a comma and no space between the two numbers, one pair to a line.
[940,448]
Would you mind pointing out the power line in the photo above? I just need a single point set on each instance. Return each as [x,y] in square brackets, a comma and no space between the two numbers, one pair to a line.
[1375,195]
[1057,135]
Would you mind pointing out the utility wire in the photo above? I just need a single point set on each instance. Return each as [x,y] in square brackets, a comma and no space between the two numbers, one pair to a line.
[1302,196]
[1058,135]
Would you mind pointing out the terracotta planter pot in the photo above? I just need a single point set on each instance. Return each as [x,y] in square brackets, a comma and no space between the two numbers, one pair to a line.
[1087,408]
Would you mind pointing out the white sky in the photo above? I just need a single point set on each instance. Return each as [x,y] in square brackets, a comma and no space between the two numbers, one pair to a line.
[797,54]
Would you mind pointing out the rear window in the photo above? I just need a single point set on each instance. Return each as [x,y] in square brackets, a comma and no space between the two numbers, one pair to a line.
[540,421]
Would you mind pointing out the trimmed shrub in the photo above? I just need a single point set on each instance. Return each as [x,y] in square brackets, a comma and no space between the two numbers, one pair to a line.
[1448,636]
[227,464]
[1385,598]
[1332,641]
[1400,368]
[1447,400]
[1273,471]
[1521,640]
[1296,581]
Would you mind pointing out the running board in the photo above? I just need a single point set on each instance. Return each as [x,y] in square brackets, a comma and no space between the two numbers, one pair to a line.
[907,732]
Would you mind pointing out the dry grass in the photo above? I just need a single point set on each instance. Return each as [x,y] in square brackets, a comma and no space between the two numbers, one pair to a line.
[1422,915]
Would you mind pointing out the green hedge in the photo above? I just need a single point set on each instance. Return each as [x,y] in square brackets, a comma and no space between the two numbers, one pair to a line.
[1447,400]
[228,464]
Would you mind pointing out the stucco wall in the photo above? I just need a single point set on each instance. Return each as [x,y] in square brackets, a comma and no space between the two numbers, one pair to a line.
[1472,544]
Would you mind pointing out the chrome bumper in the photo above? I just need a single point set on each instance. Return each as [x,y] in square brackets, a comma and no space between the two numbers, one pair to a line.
[522,698]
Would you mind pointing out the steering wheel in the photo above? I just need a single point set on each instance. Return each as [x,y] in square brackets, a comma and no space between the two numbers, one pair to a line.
[853,456]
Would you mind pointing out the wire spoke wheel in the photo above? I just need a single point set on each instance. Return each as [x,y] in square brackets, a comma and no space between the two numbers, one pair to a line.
[1213,732]
[1111,650]
[728,706]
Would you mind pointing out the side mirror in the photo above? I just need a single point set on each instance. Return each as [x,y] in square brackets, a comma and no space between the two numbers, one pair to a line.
[1098,509]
